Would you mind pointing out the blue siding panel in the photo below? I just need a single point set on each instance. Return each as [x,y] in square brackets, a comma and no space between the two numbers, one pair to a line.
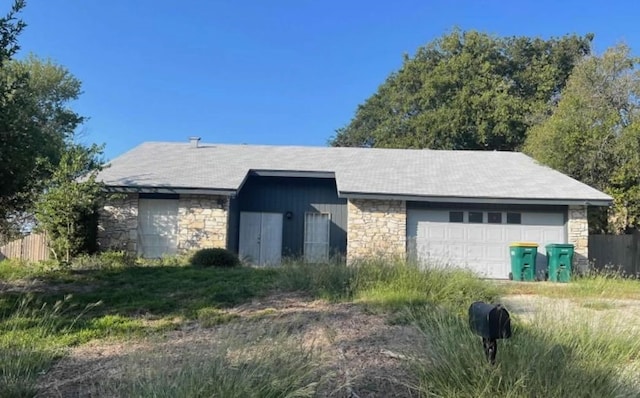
[297,195]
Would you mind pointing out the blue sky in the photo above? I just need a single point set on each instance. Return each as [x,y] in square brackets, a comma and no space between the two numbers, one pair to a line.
[280,72]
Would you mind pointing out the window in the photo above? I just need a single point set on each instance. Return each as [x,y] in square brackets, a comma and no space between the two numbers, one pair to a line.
[514,218]
[475,217]
[456,216]
[494,218]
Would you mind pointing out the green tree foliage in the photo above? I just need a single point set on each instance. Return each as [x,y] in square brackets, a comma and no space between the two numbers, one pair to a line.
[624,185]
[593,134]
[36,123]
[466,90]
[10,28]
[67,207]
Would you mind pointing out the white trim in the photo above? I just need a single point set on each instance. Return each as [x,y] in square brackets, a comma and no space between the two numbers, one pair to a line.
[192,191]
[459,199]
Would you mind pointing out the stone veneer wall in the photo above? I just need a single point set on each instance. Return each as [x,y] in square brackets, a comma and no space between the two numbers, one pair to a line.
[376,228]
[202,221]
[118,224]
[578,235]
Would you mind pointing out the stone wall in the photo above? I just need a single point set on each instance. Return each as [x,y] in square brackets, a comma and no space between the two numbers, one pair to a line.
[578,235]
[202,221]
[118,224]
[376,228]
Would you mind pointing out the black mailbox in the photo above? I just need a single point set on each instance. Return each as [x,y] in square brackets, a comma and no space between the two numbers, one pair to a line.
[491,322]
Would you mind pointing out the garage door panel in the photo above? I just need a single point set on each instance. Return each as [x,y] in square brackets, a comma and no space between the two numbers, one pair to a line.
[456,232]
[436,232]
[475,234]
[513,234]
[553,236]
[483,248]
[533,234]
[494,233]
[437,249]
[494,252]
[475,252]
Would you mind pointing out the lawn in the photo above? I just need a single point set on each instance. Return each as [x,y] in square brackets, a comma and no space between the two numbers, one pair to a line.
[50,311]
[341,333]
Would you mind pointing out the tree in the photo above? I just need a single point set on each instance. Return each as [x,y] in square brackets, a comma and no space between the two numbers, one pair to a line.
[66,209]
[37,125]
[10,29]
[593,134]
[466,90]
[624,185]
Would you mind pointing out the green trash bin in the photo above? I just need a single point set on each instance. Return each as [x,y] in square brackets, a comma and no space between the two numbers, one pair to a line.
[523,261]
[559,261]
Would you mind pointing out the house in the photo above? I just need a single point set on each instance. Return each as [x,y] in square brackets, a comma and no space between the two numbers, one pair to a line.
[266,202]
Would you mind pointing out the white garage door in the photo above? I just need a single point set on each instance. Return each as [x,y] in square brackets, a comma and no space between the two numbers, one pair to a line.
[157,227]
[479,240]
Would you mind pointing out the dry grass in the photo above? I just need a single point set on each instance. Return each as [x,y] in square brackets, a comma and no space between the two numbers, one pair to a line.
[363,354]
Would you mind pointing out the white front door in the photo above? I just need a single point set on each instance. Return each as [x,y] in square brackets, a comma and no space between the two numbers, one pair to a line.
[316,237]
[261,238]
[157,227]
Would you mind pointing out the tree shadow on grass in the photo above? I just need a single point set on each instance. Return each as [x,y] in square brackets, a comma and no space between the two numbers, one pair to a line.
[152,291]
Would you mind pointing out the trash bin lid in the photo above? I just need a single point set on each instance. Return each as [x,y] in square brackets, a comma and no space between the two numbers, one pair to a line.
[560,245]
[523,244]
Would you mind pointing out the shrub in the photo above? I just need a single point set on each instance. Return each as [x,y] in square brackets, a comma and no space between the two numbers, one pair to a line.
[170,260]
[215,257]
[103,260]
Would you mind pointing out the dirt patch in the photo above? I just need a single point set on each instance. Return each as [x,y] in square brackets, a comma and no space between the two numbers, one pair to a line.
[367,355]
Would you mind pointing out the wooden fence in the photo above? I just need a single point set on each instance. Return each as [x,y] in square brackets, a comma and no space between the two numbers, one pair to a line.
[618,251]
[31,248]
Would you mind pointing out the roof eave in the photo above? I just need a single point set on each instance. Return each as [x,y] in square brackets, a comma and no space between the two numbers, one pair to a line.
[467,199]
[169,190]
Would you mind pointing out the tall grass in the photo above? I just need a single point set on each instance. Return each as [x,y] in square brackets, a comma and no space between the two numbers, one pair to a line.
[267,365]
[11,269]
[549,356]
[30,340]
[389,284]
[567,355]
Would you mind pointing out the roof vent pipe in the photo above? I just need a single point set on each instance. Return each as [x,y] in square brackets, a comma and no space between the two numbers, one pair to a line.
[194,141]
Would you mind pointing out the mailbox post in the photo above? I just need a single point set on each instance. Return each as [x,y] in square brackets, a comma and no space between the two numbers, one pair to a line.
[491,322]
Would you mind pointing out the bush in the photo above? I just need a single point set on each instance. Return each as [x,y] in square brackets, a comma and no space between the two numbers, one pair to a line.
[103,260]
[215,257]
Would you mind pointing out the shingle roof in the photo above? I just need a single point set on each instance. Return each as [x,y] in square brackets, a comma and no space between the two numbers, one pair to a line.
[358,171]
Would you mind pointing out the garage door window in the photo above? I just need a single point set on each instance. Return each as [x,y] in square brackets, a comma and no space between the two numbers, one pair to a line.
[475,217]
[494,218]
[456,216]
[514,218]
